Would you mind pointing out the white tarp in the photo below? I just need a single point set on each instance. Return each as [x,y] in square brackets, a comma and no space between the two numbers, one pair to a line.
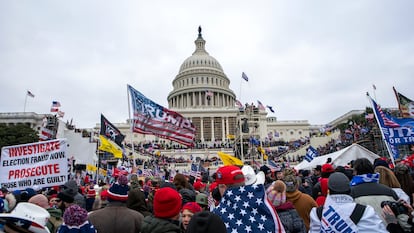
[81,149]
[339,158]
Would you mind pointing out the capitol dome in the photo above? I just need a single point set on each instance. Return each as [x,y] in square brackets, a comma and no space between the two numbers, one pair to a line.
[201,82]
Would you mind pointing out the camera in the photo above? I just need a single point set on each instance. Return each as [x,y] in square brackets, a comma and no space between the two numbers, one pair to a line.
[396,207]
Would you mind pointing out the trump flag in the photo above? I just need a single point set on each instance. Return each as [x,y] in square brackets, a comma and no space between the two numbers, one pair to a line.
[152,118]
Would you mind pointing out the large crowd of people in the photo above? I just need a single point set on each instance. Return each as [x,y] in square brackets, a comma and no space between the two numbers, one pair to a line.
[329,198]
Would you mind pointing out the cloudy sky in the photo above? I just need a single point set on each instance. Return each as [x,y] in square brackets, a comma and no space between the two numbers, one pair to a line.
[310,60]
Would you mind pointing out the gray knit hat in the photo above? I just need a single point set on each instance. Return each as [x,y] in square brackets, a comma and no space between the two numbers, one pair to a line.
[339,183]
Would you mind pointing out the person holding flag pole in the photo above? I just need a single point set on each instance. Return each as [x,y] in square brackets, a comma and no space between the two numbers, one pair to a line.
[381,125]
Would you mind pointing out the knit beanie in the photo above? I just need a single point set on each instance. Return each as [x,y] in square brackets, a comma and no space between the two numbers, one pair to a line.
[276,193]
[339,183]
[75,215]
[119,190]
[205,222]
[40,200]
[65,197]
[167,203]
[291,183]
[193,207]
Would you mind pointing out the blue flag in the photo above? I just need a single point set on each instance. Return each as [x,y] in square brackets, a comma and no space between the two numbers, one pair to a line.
[396,131]
[270,108]
[311,153]
[247,209]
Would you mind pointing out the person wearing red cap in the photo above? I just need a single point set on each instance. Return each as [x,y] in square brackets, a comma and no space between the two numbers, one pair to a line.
[166,209]
[187,212]
[320,189]
[229,176]
[199,187]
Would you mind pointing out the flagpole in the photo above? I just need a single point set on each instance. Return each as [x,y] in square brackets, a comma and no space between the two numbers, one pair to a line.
[374,88]
[130,126]
[25,101]
[398,101]
[382,133]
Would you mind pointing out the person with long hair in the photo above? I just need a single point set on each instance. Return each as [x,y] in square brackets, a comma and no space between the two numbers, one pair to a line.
[402,172]
[388,178]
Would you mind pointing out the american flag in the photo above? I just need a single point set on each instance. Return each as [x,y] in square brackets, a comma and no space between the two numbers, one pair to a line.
[384,120]
[152,118]
[246,209]
[239,104]
[244,76]
[45,134]
[55,106]
[147,173]
[209,93]
[257,164]
[261,106]
[195,171]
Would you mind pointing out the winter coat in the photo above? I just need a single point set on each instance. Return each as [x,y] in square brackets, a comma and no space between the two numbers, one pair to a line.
[373,194]
[152,224]
[136,201]
[337,210]
[290,218]
[84,228]
[116,217]
[303,204]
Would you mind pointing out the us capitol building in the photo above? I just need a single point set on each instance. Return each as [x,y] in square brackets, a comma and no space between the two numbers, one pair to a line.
[201,93]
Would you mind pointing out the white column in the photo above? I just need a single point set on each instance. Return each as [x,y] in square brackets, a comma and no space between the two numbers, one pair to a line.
[212,129]
[227,126]
[223,133]
[202,129]
[193,96]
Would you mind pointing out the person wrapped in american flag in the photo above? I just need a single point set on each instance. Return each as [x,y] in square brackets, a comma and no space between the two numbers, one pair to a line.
[244,208]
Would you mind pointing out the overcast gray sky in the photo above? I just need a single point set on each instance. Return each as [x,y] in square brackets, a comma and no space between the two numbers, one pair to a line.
[310,60]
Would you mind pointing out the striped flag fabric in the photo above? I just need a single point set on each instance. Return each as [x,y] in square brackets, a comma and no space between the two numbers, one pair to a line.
[55,106]
[244,76]
[382,117]
[261,106]
[152,118]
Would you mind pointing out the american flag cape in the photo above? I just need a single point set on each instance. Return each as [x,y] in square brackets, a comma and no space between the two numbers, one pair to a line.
[246,209]
[152,118]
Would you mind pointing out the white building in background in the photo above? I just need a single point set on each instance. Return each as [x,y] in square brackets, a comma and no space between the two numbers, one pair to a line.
[201,93]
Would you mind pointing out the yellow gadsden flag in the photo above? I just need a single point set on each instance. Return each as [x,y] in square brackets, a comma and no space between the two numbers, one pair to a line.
[111,147]
[229,160]
[90,167]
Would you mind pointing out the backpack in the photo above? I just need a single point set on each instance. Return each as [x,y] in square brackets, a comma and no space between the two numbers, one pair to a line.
[355,216]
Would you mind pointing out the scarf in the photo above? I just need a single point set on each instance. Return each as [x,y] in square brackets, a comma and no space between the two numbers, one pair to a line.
[365,178]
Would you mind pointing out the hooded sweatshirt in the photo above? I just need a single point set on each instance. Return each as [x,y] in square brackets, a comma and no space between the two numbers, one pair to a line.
[303,204]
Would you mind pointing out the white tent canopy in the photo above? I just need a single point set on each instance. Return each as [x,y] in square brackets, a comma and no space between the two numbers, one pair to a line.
[339,158]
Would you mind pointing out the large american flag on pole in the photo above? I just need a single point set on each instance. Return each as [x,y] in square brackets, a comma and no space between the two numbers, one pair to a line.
[152,118]
[245,209]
